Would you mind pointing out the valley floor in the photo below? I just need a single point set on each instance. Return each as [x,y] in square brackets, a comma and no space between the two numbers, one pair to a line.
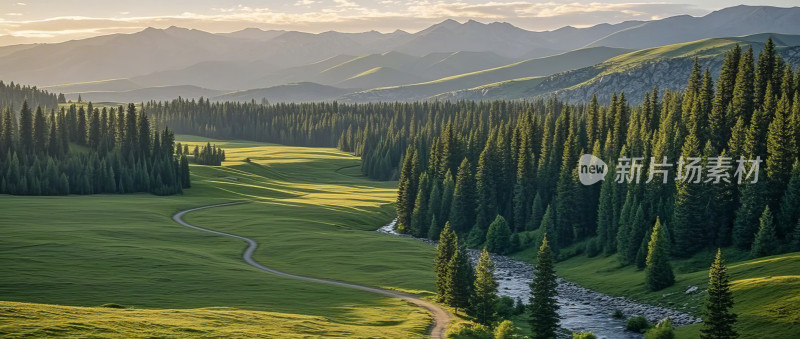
[313,215]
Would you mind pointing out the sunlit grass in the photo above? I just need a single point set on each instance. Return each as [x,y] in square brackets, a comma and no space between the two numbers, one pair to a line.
[312,213]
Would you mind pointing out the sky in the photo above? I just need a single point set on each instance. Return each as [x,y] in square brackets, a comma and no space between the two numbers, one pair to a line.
[40,21]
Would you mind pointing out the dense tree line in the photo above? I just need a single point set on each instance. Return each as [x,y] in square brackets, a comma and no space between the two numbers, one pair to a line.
[208,155]
[13,95]
[81,150]
[506,178]
[469,162]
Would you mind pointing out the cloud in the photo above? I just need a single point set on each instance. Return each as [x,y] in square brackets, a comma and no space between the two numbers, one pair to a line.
[346,15]
[345,3]
[14,14]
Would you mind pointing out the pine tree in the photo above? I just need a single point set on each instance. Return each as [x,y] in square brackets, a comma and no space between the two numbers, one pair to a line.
[548,225]
[498,236]
[537,212]
[742,101]
[781,151]
[81,131]
[26,129]
[485,177]
[789,212]
[7,135]
[419,216]
[635,237]
[764,72]
[406,195]
[460,279]
[688,217]
[658,272]
[719,122]
[605,217]
[185,177]
[766,240]
[434,205]
[40,132]
[444,252]
[718,318]
[145,146]
[462,213]
[483,301]
[448,189]
[94,129]
[543,306]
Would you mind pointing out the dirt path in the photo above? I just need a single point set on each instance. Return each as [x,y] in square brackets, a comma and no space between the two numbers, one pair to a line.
[441,318]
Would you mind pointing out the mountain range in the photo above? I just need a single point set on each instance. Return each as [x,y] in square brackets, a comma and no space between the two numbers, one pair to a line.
[449,60]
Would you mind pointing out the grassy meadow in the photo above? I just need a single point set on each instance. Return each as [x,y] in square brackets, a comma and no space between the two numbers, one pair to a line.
[766,290]
[312,213]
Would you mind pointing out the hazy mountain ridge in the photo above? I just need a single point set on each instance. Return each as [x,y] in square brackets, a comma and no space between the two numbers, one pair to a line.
[666,67]
[529,68]
[448,59]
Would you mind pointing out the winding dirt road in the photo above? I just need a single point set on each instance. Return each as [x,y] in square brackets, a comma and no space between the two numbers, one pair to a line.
[441,318]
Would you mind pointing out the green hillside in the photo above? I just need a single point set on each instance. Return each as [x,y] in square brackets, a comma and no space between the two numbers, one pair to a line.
[766,290]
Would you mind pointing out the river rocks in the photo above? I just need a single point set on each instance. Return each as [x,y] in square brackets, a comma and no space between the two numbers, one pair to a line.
[581,309]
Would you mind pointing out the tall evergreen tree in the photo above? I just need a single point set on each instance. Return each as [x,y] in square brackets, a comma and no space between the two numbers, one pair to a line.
[406,194]
[40,132]
[718,317]
[448,242]
[765,240]
[543,306]
[462,213]
[742,101]
[658,272]
[537,212]
[460,279]
[764,72]
[789,212]
[26,129]
[688,217]
[419,216]
[483,302]
[7,133]
[498,236]
[781,151]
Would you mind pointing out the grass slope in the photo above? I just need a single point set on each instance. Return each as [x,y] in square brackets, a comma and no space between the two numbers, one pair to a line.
[529,68]
[313,215]
[766,290]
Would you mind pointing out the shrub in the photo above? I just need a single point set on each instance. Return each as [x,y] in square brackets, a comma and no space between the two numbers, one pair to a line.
[618,314]
[584,335]
[519,308]
[468,331]
[663,330]
[637,324]
[593,248]
[505,307]
[505,330]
